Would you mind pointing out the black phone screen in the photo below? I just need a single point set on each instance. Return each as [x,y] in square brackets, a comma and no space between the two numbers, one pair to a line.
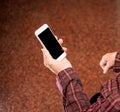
[51,43]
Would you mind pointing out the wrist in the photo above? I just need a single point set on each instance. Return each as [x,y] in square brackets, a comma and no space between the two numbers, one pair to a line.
[64,65]
[63,69]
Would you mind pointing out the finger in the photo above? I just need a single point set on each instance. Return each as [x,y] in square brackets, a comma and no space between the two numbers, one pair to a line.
[46,56]
[60,41]
[106,68]
[102,63]
[44,52]
[65,49]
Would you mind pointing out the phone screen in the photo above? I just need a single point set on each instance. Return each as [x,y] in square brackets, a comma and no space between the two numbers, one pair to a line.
[51,43]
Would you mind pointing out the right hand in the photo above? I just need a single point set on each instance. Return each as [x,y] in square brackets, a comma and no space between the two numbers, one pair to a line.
[107,61]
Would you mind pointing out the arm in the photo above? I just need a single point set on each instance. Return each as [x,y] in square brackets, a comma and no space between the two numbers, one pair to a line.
[74,98]
[116,67]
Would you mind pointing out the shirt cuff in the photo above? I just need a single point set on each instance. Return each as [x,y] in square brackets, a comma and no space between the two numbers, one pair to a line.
[116,67]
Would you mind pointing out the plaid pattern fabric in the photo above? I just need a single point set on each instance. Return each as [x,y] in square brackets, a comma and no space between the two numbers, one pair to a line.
[75,99]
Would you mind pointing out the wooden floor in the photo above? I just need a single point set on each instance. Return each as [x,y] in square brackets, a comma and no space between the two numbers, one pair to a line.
[90,28]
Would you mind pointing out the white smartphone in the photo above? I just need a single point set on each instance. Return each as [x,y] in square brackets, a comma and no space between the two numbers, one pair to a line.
[47,39]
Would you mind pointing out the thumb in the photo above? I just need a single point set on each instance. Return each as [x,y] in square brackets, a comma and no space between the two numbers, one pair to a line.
[46,54]
[106,68]
[47,59]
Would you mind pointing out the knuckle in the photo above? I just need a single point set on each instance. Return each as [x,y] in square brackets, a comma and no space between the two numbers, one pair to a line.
[105,56]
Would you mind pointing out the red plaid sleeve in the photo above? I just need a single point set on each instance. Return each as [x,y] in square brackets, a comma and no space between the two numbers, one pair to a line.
[75,99]
[116,67]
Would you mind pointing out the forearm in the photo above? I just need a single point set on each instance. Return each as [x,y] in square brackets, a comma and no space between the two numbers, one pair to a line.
[116,67]
[74,97]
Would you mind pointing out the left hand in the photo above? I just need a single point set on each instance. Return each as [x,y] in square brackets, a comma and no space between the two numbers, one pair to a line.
[54,65]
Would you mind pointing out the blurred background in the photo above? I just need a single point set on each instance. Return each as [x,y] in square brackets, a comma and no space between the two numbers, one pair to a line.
[89,28]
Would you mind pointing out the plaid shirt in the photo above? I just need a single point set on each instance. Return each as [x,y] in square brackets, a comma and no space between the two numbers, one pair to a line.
[75,99]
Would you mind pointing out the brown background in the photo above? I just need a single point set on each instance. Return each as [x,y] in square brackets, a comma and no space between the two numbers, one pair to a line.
[90,28]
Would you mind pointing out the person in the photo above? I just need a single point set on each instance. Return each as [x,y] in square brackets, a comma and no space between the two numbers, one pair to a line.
[71,88]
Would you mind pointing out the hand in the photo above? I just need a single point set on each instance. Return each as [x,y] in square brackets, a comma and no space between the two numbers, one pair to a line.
[107,61]
[54,65]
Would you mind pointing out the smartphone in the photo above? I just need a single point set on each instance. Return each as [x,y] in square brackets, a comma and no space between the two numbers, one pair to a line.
[47,39]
